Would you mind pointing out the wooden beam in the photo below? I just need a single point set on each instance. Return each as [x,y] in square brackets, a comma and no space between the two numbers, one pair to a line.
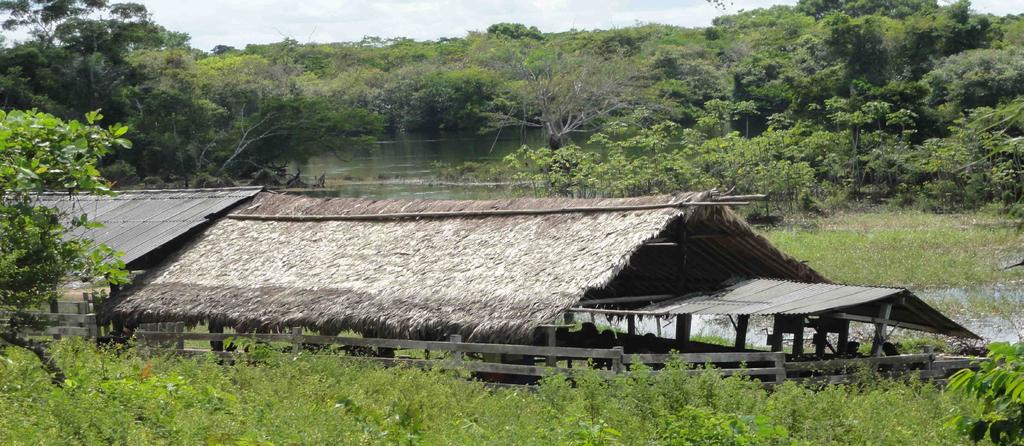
[627,299]
[844,337]
[480,213]
[631,324]
[618,312]
[876,320]
[775,340]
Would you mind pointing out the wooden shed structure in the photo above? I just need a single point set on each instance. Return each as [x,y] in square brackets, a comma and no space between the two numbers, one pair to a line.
[490,271]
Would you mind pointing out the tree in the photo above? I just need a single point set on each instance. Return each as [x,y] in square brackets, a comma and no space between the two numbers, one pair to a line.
[561,92]
[39,152]
[515,31]
[978,77]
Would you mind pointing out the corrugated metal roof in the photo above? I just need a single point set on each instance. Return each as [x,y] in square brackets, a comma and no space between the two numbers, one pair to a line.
[765,296]
[770,297]
[139,222]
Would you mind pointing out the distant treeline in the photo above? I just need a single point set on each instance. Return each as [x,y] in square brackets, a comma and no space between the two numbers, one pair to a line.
[827,99]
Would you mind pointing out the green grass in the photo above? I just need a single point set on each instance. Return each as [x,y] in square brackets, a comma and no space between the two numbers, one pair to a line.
[910,249]
[318,399]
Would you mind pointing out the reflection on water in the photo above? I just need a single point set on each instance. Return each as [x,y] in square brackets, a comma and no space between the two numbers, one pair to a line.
[412,156]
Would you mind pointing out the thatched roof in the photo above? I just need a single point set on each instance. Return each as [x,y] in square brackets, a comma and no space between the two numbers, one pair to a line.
[489,270]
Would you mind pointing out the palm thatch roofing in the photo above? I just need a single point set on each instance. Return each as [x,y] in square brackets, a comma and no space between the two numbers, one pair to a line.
[492,271]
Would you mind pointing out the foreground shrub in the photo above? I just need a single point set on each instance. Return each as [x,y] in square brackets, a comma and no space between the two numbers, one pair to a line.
[122,398]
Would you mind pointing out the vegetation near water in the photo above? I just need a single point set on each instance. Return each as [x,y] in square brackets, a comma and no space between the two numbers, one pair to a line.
[911,102]
[274,398]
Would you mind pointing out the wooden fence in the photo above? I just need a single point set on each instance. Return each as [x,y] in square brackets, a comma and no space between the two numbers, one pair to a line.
[78,319]
[769,367]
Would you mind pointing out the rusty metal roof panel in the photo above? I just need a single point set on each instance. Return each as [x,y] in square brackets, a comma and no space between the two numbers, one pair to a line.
[139,222]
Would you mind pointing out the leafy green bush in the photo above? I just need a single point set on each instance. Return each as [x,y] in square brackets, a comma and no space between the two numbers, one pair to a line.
[1000,384]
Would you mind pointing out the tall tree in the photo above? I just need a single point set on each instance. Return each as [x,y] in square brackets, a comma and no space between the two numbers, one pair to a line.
[560,91]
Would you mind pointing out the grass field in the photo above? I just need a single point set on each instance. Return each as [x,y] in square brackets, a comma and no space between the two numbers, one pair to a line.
[317,399]
[909,249]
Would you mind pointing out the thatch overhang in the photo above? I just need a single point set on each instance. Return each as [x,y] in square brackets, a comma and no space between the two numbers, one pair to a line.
[492,271]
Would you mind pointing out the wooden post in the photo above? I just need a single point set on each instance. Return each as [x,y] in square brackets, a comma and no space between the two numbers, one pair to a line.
[551,360]
[456,355]
[91,325]
[214,327]
[296,340]
[657,324]
[631,324]
[741,331]
[780,365]
[775,339]
[179,341]
[683,324]
[844,337]
[798,337]
[884,313]
[820,339]
[617,359]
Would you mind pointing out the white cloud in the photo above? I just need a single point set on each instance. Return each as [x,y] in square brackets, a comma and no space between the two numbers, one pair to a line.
[238,22]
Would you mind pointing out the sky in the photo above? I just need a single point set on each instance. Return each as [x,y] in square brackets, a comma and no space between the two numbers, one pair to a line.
[238,22]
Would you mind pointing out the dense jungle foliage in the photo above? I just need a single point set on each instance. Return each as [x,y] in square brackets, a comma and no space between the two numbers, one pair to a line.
[819,103]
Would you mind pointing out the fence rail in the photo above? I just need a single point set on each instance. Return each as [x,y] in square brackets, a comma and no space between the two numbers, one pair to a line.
[769,367]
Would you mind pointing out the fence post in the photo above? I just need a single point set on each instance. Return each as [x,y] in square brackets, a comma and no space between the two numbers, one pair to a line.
[296,340]
[179,339]
[552,333]
[617,359]
[91,325]
[780,366]
[456,354]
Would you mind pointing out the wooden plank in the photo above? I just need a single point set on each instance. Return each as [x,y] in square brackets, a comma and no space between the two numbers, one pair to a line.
[701,358]
[875,320]
[832,364]
[465,347]
[627,299]
[62,318]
